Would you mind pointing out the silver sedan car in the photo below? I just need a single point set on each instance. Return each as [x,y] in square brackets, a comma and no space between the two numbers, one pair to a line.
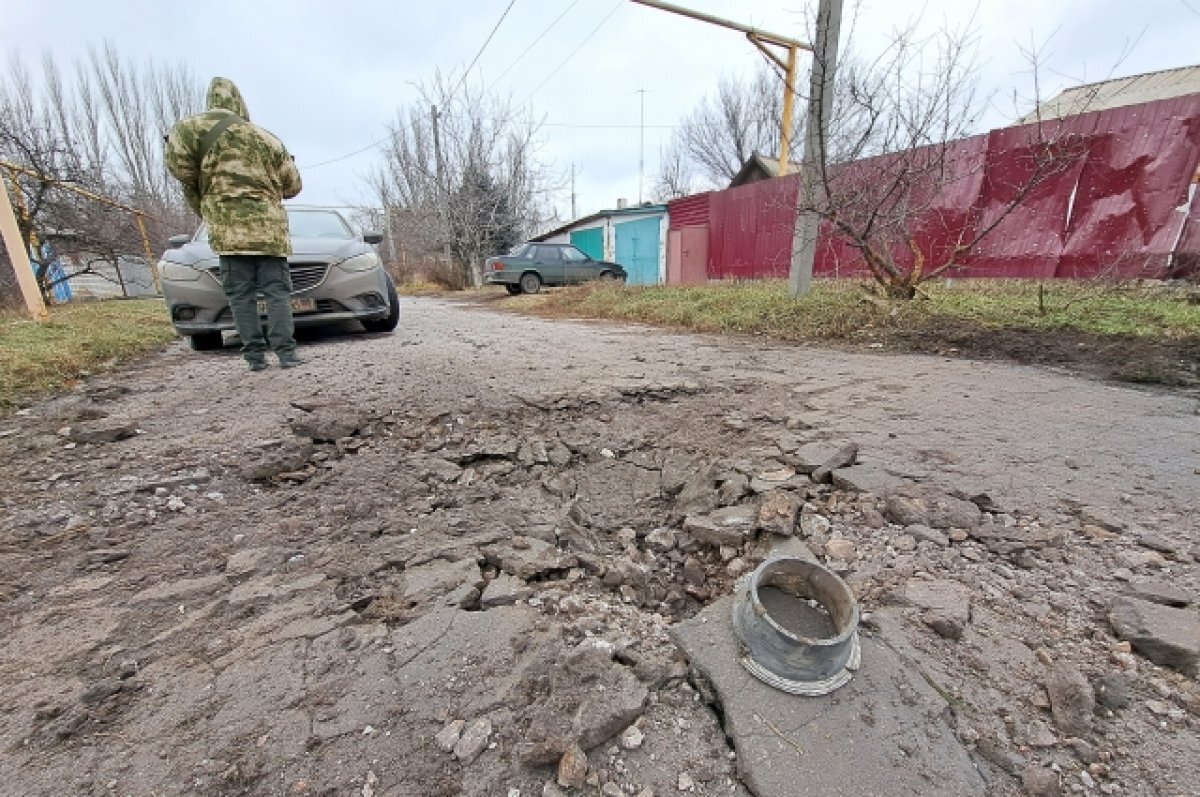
[336,276]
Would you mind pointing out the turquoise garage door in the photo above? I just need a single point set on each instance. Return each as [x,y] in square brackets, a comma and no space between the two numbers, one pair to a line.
[590,241]
[637,250]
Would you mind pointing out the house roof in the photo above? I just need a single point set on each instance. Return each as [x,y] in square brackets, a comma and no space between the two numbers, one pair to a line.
[759,167]
[1119,92]
[571,225]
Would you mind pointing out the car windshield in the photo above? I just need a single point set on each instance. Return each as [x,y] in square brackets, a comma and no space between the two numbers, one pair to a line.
[306,224]
[517,250]
[317,224]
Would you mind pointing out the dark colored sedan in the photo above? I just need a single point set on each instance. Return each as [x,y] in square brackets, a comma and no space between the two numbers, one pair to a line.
[530,266]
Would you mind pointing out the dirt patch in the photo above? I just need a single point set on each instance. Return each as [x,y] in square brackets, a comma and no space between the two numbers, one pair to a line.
[413,566]
[1162,361]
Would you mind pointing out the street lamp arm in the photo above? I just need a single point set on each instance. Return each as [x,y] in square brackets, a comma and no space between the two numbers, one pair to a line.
[770,38]
[761,45]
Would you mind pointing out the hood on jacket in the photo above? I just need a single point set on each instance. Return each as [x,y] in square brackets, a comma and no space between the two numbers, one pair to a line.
[222,93]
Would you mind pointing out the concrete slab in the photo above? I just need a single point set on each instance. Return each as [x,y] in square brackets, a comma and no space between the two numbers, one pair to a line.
[1168,637]
[882,734]
[866,478]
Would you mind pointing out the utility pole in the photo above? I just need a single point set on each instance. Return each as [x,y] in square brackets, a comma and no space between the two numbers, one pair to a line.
[820,107]
[442,204]
[437,148]
[574,215]
[641,142]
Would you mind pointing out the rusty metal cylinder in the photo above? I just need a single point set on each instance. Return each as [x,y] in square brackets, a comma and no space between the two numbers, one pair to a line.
[779,652]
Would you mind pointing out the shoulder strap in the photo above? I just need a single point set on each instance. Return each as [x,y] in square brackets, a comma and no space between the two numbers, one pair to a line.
[214,133]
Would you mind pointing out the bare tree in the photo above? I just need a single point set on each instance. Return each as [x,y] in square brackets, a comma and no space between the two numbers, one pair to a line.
[31,135]
[715,140]
[413,244]
[460,169]
[138,105]
[675,177]
[896,174]
[100,131]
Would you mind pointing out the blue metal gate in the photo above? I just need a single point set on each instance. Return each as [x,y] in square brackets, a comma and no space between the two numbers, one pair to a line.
[591,242]
[638,249]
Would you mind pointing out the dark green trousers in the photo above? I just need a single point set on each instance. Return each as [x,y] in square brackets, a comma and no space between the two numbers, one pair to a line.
[244,278]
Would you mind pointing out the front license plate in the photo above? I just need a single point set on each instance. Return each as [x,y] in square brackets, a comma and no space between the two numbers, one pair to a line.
[298,306]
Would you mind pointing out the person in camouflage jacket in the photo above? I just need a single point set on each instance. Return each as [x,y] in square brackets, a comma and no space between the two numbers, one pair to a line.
[235,175]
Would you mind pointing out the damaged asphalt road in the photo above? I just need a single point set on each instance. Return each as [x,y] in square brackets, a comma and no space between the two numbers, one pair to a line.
[492,555]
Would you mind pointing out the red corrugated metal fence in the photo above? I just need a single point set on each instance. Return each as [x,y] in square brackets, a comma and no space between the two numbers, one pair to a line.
[1119,207]
[688,211]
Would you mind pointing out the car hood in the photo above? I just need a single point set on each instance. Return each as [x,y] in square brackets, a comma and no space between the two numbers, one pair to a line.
[332,248]
[306,249]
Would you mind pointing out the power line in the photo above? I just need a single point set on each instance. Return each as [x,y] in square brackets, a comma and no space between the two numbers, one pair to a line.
[609,126]
[570,125]
[372,145]
[557,69]
[389,136]
[573,52]
[531,46]
[483,47]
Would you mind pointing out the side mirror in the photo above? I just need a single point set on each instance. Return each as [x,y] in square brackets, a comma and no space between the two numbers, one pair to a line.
[176,241]
[373,237]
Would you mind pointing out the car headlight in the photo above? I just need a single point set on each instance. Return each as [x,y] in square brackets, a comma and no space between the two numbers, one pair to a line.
[363,262]
[178,273]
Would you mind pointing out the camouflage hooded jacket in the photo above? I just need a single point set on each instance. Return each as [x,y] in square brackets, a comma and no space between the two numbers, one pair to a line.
[239,186]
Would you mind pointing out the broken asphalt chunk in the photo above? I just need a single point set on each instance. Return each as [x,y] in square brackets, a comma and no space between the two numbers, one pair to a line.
[104,431]
[1167,636]
[918,505]
[328,424]
[843,457]
[731,526]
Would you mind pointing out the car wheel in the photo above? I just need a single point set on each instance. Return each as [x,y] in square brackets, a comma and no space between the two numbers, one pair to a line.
[530,283]
[513,289]
[393,317]
[206,341]
[608,276]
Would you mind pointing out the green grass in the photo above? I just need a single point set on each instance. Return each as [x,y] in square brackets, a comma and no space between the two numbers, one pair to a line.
[844,310]
[420,288]
[1100,309]
[39,358]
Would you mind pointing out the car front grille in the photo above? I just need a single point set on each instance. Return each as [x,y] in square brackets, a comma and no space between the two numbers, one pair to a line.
[307,275]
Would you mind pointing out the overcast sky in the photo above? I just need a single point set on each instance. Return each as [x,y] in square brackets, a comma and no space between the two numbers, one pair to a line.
[327,76]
